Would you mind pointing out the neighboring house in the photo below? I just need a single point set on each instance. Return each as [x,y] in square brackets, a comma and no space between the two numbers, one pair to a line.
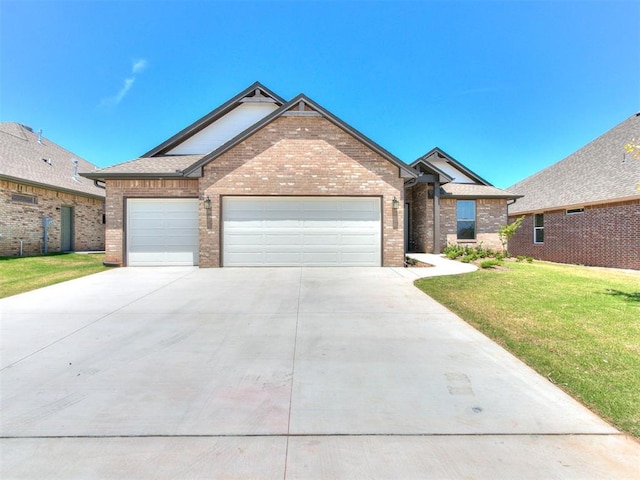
[450,203]
[264,181]
[584,209]
[40,180]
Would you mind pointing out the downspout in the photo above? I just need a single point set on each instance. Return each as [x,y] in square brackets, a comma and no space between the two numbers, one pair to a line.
[436,216]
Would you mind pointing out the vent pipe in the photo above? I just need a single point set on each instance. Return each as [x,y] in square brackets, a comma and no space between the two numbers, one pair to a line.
[40,137]
[75,169]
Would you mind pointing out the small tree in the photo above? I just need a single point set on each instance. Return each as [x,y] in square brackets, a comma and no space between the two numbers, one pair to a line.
[505,233]
[633,147]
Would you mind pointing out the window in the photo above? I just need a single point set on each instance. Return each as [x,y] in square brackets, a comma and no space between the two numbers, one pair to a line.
[574,211]
[538,228]
[466,219]
[21,198]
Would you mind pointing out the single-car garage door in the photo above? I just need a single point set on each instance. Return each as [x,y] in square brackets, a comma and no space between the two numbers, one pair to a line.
[162,231]
[310,231]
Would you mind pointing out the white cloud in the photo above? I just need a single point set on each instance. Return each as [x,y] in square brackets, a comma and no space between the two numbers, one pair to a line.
[138,67]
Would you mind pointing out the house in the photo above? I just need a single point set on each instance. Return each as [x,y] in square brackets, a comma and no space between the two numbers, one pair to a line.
[449,204]
[265,181]
[46,206]
[584,209]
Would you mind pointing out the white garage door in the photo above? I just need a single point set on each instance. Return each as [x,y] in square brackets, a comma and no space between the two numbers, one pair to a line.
[310,231]
[162,231]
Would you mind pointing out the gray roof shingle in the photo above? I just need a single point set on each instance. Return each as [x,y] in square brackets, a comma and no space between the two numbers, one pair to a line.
[473,190]
[171,165]
[599,172]
[23,158]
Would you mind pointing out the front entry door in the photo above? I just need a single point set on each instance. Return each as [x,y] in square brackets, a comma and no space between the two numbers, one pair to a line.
[66,225]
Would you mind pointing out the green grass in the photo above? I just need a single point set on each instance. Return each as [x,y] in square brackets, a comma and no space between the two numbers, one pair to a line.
[22,274]
[578,327]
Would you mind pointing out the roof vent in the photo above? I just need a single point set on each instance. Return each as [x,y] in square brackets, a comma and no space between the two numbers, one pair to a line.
[75,169]
[39,136]
[47,161]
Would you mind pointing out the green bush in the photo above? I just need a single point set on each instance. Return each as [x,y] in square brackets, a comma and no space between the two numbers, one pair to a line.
[491,263]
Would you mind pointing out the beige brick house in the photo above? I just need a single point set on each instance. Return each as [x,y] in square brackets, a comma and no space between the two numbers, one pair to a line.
[264,181]
[42,196]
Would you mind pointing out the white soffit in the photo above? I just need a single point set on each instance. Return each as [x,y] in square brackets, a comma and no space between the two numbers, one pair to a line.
[446,167]
[224,129]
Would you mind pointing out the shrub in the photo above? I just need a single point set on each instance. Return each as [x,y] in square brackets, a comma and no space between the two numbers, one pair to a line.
[529,259]
[491,263]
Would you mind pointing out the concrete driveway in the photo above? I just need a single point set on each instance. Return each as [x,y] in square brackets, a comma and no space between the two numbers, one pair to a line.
[276,373]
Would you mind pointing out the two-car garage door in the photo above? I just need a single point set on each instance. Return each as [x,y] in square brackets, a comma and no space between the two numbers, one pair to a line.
[259,231]
[309,231]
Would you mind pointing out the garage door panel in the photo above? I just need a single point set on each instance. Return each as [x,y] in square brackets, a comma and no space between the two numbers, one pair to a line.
[283,231]
[162,231]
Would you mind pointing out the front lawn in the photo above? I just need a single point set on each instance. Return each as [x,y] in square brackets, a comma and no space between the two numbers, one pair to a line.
[577,326]
[21,274]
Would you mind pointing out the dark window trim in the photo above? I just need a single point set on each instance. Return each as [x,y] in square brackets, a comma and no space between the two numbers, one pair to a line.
[23,198]
[474,220]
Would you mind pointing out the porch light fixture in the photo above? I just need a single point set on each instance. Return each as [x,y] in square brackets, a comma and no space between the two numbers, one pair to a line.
[207,203]
[395,204]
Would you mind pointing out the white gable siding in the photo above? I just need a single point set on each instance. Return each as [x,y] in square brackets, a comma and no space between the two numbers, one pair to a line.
[224,129]
[446,167]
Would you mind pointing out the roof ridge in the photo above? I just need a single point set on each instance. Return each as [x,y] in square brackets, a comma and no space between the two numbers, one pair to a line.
[575,152]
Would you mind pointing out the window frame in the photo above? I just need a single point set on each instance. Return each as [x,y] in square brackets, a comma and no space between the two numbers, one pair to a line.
[538,228]
[24,198]
[474,220]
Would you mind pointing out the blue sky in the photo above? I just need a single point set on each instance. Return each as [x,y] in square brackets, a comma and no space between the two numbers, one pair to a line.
[505,87]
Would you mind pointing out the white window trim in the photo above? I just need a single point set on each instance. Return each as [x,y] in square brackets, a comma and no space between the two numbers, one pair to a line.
[536,228]
[574,211]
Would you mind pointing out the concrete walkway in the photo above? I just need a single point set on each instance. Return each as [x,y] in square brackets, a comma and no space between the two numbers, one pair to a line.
[276,373]
[441,266]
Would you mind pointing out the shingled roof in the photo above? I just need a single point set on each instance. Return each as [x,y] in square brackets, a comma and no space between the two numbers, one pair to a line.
[472,190]
[163,166]
[600,172]
[27,157]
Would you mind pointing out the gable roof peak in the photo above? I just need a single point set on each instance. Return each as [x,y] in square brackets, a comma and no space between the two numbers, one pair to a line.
[459,166]
[302,105]
[255,93]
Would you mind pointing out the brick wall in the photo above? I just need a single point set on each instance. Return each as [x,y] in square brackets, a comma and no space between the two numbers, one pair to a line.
[119,190]
[604,235]
[21,221]
[491,214]
[302,156]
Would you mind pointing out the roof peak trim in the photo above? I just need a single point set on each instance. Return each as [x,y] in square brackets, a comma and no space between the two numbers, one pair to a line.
[245,96]
[441,153]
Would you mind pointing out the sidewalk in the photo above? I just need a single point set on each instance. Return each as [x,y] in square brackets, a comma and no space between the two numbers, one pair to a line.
[441,266]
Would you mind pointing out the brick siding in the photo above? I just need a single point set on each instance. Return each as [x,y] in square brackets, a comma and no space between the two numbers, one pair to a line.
[117,193]
[22,221]
[491,214]
[420,219]
[604,235]
[302,156]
